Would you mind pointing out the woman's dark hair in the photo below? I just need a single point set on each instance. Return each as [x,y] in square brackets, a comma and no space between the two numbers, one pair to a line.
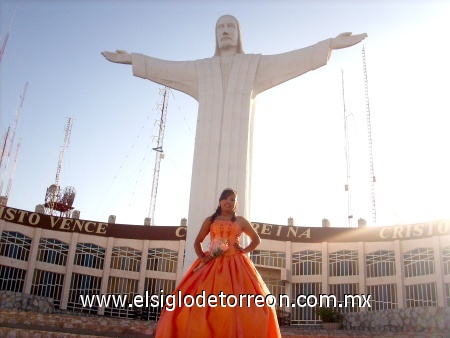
[223,196]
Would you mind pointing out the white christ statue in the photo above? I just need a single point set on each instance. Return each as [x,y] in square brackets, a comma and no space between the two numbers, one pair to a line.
[225,87]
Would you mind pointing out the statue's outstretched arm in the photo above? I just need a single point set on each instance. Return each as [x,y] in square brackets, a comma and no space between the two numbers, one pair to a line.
[345,40]
[120,56]
[276,69]
[179,75]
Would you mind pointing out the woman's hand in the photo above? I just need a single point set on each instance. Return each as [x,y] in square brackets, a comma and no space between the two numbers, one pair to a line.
[239,248]
[206,259]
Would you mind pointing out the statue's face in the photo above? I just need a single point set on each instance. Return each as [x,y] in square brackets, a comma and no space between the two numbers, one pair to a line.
[227,32]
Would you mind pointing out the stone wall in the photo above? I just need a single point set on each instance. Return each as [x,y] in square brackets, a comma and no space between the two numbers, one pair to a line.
[409,319]
[38,313]
[10,300]
[92,325]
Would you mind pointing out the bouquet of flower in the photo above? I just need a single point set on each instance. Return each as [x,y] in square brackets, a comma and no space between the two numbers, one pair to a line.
[216,248]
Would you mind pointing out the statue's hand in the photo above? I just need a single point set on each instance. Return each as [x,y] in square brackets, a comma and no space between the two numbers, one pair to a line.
[345,40]
[120,56]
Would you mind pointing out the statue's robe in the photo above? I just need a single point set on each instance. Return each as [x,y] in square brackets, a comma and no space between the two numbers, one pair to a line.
[225,88]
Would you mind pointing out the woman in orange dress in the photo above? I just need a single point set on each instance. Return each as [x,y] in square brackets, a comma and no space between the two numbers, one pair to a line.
[226,296]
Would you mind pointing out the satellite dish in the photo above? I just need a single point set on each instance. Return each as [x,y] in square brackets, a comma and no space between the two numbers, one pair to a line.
[53,189]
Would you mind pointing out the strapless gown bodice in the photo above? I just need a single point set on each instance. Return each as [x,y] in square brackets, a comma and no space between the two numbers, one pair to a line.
[225,231]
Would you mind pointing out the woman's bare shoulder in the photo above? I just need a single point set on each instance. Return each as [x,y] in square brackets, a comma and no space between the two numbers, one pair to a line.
[207,222]
[242,221]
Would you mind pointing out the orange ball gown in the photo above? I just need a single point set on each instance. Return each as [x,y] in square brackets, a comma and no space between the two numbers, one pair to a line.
[232,273]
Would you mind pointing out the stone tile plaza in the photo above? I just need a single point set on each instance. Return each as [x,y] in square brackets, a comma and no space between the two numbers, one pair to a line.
[48,262]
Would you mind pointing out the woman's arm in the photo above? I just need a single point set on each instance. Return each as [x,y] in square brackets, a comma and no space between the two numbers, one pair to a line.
[251,233]
[204,231]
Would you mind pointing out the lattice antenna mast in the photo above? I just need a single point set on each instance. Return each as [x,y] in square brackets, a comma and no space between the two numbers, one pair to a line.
[13,135]
[5,142]
[2,50]
[68,131]
[159,152]
[347,158]
[57,200]
[13,171]
[369,134]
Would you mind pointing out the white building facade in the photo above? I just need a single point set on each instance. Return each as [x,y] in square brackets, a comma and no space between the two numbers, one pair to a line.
[63,258]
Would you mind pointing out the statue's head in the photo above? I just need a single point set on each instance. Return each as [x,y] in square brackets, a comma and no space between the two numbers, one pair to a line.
[228,36]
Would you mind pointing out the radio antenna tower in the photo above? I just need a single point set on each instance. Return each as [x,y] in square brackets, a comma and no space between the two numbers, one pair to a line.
[55,200]
[369,134]
[347,159]
[68,131]
[11,141]
[13,171]
[159,152]
[5,142]
[2,49]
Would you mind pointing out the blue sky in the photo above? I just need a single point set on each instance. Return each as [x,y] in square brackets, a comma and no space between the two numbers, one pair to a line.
[299,166]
